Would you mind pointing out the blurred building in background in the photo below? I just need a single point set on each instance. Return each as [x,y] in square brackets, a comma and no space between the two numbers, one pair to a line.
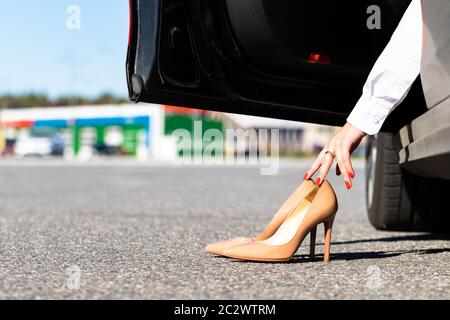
[82,131]
[291,134]
[142,131]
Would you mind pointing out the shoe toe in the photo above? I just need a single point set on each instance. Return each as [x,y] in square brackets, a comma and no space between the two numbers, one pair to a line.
[219,247]
[258,251]
[250,251]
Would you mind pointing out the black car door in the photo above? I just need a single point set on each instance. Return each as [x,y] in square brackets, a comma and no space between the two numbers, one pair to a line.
[291,59]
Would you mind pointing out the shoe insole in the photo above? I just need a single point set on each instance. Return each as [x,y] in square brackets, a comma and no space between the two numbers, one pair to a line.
[289,227]
[290,202]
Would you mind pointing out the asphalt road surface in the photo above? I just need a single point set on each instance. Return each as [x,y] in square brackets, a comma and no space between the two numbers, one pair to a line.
[134,231]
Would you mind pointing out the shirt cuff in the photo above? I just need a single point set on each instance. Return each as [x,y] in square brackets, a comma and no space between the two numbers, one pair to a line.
[369,114]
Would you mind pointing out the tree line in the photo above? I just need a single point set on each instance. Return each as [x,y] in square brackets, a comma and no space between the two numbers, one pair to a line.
[43,100]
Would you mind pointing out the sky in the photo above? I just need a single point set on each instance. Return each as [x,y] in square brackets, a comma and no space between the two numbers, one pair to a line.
[39,53]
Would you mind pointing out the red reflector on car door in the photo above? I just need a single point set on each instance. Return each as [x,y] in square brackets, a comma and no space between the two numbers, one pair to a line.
[315,57]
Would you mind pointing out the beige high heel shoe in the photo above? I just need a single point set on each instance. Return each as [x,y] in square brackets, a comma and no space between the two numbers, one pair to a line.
[318,206]
[305,188]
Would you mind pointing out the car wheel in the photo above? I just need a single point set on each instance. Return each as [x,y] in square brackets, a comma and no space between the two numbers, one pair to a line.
[399,200]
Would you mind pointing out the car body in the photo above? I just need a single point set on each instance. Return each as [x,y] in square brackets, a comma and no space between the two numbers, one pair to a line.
[304,61]
[427,136]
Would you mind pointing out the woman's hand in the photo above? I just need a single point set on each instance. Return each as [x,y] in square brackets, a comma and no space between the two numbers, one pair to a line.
[340,147]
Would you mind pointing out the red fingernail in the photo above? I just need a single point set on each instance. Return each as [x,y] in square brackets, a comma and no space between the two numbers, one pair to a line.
[305,176]
[348,185]
[318,181]
[351,175]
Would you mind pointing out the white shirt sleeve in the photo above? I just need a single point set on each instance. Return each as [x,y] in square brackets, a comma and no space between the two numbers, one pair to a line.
[392,75]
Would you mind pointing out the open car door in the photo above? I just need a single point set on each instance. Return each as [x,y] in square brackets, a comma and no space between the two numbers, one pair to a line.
[297,60]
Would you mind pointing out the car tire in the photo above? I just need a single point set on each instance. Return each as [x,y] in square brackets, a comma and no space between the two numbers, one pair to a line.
[398,200]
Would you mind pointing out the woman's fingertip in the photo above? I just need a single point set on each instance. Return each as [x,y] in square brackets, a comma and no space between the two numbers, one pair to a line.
[348,185]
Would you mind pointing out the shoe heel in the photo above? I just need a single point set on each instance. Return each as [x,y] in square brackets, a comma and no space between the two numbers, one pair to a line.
[328,226]
[312,243]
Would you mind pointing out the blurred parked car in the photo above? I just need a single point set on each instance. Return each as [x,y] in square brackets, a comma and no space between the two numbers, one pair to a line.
[307,61]
[39,142]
